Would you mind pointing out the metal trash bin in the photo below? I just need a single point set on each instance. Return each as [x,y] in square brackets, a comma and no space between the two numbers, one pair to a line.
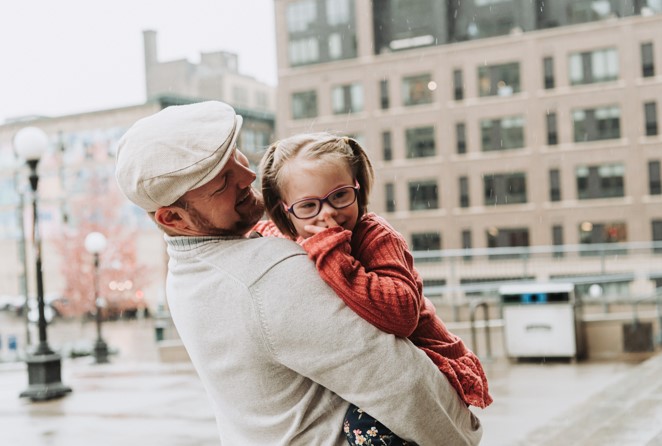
[541,320]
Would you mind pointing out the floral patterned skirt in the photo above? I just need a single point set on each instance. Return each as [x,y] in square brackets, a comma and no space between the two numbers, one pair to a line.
[363,430]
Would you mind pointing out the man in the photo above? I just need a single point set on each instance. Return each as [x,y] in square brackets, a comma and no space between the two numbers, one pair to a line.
[278,352]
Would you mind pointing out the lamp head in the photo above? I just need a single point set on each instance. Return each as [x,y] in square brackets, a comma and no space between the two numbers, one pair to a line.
[30,143]
[95,242]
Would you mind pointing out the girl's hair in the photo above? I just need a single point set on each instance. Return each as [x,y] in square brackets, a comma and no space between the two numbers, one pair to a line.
[317,147]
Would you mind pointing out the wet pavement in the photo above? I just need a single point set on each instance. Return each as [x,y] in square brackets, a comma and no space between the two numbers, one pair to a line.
[137,400]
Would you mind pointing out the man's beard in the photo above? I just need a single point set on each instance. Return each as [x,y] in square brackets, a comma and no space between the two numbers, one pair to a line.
[240,228]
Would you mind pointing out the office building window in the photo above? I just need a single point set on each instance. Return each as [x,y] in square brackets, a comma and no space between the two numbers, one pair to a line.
[498,80]
[654,184]
[507,237]
[384,101]
[424,242]
[650,115]
[548,73]
[552,131]
[458,85]
[554,185]
[304,104]
[593,66]
[387,149]
[389,190]
[400,25]
[423,195]
[647,60]
[595,233]
[347,98]
[604,181]
[557,240]
[504,189]
[596,124]
[464,192]
[502,134]
[461,137]
[420,142]
[417,89]
[320,31]
[466,242]
[656,229]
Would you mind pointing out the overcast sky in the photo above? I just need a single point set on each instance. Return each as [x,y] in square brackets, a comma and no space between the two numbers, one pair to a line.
[68,56]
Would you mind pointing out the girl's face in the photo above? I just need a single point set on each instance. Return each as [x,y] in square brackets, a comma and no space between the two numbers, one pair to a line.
[315,179]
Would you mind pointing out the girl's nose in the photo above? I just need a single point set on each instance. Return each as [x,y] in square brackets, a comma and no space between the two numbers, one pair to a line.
[327,210]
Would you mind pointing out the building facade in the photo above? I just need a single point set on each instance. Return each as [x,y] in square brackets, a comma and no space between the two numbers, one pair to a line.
[491,123]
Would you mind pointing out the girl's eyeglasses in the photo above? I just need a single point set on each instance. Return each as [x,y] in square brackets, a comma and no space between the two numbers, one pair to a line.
[338,199]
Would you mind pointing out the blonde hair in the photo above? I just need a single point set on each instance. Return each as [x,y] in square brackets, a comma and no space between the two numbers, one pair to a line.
[311,146]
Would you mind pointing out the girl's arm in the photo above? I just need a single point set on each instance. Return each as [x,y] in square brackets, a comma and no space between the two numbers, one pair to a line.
[379,287]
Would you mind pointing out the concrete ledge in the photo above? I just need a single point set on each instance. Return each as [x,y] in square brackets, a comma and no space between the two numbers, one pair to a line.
[172,351]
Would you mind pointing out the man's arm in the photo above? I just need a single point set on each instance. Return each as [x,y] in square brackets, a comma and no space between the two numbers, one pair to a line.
[311,331]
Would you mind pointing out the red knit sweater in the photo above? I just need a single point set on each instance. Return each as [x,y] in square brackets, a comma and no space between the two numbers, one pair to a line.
[372,271]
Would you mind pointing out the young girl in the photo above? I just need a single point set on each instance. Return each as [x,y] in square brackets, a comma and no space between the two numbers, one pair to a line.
[316,189]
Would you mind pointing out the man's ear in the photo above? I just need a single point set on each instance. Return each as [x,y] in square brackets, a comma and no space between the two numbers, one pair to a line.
[171,217]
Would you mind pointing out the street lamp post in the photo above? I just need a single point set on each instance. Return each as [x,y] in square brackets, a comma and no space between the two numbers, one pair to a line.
[44,365]
[95,243]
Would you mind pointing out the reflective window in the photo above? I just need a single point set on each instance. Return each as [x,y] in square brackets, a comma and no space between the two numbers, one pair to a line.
[426,241]
[464,192]
[594,66]
[650,116]
[503,189]
[417,89]
[554,185]
[595,124]
[304,104]
[552,131]
[604,181]
[389,189]
[600,232]
[498,80]
[458,85]
[502,134]
[507,237]
[548,73]
[405,24]
[320,31]
[461,137]
[420,142]
[347,98]
[647,60]
[423,195]
[654,179]
[384,101]
[387,149]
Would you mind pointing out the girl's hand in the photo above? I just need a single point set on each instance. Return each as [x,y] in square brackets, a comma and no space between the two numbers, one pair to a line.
[320,226]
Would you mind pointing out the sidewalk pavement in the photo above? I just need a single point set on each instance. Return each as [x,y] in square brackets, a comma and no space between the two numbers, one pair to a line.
[129,402]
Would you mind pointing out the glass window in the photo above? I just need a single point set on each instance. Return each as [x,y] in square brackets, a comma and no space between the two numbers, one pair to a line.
[416,89]
[502,134]
[588,11]
[504,189]
[507,237]
[498,80]
[650,115]
[605,181]
[389,189]
[240,96]
[656,228]
[458,85]
[464,192]
[387,149]
[304,104]
[557,240]
[347,98]
[552,132]
[461,137]
[426,241]
[654,179]
[423,195]
[383,94]
[320,31]
[594,66]
[554,185]
[647,60]
[592,233]
[405,24]
[548,70]
[597,124]
[420,142]
[466,242]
